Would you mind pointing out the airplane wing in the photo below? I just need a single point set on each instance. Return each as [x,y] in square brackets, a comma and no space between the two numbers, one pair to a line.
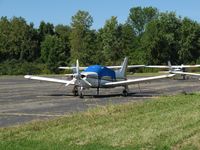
[81,68]
[157,66]
[188,66]
[67,82]
[174,67]
[135,81]
[129,66]
[111,67]
[185,73]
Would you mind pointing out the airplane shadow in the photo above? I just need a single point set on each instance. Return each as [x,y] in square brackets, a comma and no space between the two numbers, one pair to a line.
[132,94]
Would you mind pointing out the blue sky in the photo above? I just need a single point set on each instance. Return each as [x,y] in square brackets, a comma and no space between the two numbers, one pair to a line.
[61,11]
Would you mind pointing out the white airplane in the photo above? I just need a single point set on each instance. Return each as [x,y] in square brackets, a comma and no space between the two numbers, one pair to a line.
[98,76]
[177,69]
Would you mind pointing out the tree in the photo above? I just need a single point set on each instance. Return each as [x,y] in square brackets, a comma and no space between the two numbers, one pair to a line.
[53,52]
[45,29]
[19,40]
[140,17]
[111,41]
[63,32]
[4,37]
[161,39]
[130,44]
[81,37]
[138,20]
[190,41]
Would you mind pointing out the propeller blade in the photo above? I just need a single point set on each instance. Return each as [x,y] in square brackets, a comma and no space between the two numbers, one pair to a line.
[69,74]
[73,81]
[88,83]
[77,66]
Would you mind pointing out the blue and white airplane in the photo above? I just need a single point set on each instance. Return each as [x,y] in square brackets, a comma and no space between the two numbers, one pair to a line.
[98,76]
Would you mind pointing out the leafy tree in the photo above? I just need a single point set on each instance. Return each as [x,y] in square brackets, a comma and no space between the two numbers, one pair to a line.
[4,36]
[139,17]
[111,41]
[190,41]
[161,39]
[81,38]
[45,29]
[63,32]
[19,40]
[127,38]
[53,52]
[90,55]
[131,45]
[147,37]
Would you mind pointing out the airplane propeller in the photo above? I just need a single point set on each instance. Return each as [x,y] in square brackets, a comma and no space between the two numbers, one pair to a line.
[77,77]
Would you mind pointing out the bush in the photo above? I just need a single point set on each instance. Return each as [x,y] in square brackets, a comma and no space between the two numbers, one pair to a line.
[14,67]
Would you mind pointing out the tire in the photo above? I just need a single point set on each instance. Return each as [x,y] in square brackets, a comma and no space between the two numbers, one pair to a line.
[81,95]
[125,93]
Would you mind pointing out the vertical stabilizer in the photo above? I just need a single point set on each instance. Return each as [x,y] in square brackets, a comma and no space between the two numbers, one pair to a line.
[121,73]
[170,66]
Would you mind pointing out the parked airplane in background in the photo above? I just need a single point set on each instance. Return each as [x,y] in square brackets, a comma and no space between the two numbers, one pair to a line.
[177,69]
[98,76]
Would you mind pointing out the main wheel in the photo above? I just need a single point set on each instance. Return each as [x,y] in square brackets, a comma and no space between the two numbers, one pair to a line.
[125,93]
[81,95]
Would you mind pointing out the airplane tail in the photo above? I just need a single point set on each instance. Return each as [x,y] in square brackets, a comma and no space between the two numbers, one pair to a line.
[170,66]
[121,73]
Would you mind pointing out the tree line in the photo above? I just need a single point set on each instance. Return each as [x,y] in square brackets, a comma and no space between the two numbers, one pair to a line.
[147,37]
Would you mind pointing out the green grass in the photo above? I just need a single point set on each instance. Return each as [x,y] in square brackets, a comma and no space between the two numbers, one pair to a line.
[171,122]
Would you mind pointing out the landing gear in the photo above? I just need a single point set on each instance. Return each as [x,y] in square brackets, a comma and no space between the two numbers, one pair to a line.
[98,91]
[99,82]
[78,91]
[125,91]
[81,92]
[81,95]
[184,77]
[75,91]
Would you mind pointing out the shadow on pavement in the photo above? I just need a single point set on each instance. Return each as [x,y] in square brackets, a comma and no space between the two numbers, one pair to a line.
[132,94]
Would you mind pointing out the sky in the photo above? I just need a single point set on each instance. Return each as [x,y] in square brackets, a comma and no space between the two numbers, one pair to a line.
[61,11]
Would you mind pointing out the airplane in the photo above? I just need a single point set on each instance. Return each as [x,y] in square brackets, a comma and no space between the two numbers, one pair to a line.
[176,69]
[97,76]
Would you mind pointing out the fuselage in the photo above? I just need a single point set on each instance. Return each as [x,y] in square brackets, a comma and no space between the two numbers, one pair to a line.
[98,75]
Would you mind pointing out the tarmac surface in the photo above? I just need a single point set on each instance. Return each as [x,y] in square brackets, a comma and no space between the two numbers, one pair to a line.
[23,100]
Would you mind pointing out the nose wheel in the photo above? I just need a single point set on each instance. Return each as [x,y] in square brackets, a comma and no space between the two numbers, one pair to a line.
[78,91]
[81,92]
[75,91]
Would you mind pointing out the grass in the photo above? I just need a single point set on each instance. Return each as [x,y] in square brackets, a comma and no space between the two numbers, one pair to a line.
[171,122]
